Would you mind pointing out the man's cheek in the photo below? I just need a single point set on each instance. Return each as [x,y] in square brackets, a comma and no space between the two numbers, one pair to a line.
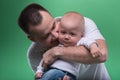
[48,41]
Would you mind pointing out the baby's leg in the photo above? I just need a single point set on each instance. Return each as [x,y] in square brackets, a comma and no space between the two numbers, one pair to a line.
[53,74]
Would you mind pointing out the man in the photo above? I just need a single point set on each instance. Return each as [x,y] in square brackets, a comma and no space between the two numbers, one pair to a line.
[42,28]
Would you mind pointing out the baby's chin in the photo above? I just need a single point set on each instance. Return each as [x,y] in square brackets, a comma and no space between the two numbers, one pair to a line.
[67,45]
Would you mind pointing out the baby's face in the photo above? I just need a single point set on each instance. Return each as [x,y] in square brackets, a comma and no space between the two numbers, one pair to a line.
[69,35]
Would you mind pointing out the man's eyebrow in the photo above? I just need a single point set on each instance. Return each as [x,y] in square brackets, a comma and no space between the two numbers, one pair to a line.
[51,28]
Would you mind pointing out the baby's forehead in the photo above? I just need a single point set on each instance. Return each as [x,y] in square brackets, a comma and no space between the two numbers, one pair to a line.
[73,22]
[72,18]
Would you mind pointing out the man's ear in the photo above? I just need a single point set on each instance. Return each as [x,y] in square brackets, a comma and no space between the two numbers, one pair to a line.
[30,38]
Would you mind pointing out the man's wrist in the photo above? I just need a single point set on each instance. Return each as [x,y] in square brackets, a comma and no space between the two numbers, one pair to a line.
[57,52]
[93,45]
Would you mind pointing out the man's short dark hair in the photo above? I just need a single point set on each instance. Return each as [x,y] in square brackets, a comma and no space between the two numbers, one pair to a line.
[30,16]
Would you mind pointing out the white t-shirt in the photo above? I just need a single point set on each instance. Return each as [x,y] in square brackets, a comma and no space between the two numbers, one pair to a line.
[68,66]
[86,71]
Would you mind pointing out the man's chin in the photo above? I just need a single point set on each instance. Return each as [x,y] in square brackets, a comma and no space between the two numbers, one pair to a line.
[55,43]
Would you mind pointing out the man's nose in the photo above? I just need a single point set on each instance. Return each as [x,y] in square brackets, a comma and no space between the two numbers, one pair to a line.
[55,31]
[54,34]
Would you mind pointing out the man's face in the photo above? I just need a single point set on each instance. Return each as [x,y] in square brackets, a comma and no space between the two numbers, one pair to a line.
[46,32]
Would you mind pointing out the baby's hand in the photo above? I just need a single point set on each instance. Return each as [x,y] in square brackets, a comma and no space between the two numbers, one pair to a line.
[95,50]
[38,75]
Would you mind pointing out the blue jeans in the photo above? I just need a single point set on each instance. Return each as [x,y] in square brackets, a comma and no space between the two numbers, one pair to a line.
[55,74]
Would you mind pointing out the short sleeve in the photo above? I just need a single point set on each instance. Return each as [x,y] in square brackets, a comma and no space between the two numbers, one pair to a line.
[91,30]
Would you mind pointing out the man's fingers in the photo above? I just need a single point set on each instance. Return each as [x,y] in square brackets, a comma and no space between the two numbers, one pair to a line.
[59,79]
[95,55]
[44,65]
[100,53]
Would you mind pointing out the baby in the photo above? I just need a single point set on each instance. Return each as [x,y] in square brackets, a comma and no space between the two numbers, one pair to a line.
[71,30]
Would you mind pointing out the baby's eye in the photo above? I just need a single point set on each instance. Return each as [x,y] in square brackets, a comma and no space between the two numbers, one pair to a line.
[63,32]
[72,34]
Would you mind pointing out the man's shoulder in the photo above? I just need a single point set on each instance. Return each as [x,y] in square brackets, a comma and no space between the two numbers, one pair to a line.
[34,45]
[35,48]
[88,19]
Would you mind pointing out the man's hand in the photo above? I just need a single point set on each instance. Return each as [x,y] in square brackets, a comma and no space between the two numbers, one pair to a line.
[95,52]
[38,75]
[49,57]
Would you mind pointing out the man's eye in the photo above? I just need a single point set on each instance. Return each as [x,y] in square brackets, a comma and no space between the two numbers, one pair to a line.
[53,26]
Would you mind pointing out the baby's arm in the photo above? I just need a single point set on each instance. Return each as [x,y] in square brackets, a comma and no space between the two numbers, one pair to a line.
[39,71]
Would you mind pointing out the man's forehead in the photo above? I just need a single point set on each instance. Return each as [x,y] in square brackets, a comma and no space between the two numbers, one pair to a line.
[46,29]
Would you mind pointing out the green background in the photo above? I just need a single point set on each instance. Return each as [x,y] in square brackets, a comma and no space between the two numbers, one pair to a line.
[14,44]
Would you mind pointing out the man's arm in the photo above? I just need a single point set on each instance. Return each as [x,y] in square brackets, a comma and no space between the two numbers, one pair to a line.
[82,55]
[78,54]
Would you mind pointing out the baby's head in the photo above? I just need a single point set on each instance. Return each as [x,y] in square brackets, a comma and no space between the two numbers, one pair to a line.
[71,28]
[73,20]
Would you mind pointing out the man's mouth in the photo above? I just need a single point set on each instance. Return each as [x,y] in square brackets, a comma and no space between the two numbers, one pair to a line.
[54,41]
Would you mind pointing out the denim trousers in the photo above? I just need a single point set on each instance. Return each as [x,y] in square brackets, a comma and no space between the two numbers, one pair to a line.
[55,74]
